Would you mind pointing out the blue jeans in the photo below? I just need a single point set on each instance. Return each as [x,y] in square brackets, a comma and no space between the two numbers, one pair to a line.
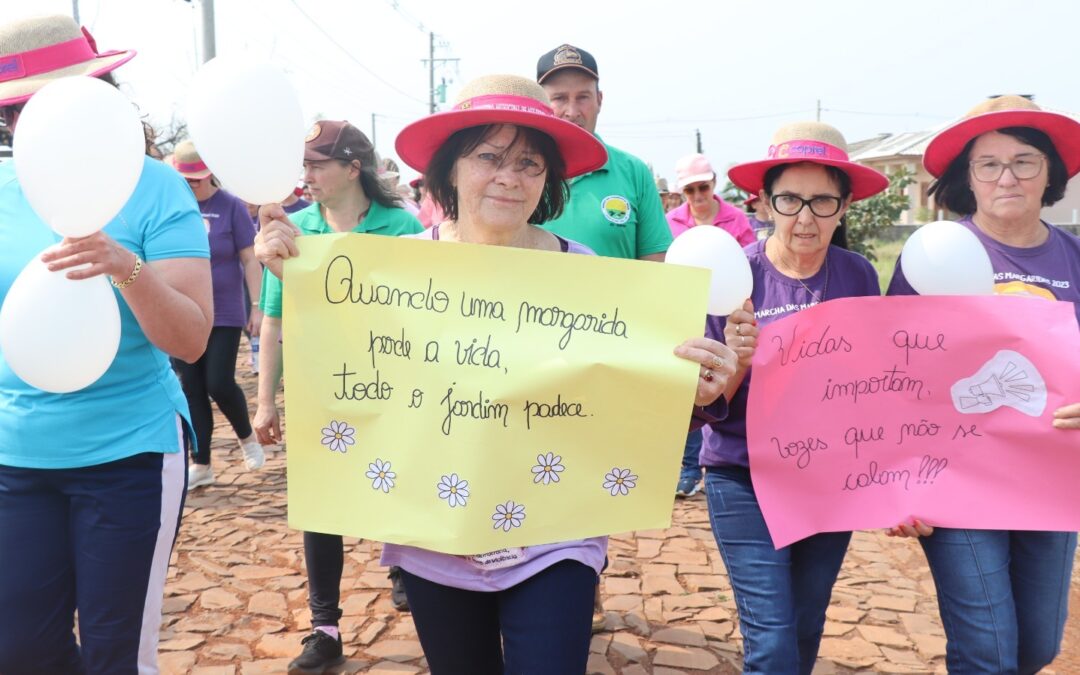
[690,466]
[541,626]
[1003,596]
[781,594]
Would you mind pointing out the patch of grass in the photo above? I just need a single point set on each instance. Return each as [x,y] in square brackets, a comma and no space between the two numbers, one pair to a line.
[887,252]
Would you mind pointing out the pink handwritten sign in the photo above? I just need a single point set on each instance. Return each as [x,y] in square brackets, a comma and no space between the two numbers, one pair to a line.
[867,412]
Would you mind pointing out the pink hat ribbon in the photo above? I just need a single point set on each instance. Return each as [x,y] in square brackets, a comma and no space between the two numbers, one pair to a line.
[190,167]
[48,59]
[809,150]
[503,102]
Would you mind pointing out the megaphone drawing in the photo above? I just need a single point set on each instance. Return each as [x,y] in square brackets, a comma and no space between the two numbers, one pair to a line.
[1010,379]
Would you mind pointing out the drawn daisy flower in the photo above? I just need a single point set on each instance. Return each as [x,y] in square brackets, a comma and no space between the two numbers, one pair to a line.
[619,481]
[454,490]
[508,515]
[338,436]
[547,469]
[382,478]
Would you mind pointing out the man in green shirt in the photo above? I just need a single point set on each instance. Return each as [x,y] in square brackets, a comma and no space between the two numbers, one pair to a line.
[615,210]
[340,171]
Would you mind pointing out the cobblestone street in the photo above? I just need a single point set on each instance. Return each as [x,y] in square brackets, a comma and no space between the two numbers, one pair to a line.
[236,599]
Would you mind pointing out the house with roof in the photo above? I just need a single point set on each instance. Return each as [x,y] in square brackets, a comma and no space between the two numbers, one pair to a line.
[889,152]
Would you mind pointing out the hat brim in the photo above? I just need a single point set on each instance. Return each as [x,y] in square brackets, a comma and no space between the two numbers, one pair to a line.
[193,175]
[1064,133]
[696,178]
[14,92]
[418,142]
[566,66]
[865,182]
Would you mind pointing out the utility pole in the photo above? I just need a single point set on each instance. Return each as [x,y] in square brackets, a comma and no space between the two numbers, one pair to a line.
[208,39]
[697,133]
[819,110]
[373,130]
[75,10]
[431,61]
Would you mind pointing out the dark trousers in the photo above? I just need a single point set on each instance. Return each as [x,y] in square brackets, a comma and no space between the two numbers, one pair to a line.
[542,626]
[95,539]
[324,556]
[213,376]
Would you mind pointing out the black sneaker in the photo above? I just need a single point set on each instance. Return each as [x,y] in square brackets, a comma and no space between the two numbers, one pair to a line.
[397,593]
[320,652]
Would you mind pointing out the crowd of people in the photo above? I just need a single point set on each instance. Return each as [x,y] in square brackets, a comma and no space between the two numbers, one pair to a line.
[92,483]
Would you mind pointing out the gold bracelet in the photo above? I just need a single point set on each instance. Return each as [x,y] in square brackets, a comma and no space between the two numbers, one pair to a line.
[131,277]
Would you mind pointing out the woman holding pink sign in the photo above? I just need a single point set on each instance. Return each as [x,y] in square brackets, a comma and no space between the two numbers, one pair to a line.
[92,481]
[1003,595]
[807,183]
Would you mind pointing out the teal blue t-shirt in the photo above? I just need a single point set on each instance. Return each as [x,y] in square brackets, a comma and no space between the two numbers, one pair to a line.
[133,407]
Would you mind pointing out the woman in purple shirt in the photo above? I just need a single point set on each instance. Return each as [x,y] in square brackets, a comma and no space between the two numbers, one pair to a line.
[1003,595]
[232,264]
[496,164]
[808,184]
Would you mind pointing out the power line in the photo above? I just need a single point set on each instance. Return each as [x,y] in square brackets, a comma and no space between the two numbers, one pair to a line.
[706,119]
[884,114]
[417,23]
[350,56]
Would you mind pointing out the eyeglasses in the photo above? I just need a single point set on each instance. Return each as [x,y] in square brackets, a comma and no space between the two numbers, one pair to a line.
[822,206]
[703,188]
[10,113]
[193,181]
[1023,167]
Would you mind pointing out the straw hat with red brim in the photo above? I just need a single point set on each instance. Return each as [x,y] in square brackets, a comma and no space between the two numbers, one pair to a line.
[999,113]
[501,99]
[814,142]
[187,162]
[38,50]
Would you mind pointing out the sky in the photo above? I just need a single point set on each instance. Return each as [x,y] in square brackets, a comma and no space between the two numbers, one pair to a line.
[734,70]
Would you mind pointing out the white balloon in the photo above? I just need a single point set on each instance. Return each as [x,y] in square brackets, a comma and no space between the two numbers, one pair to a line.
[56,334]
[717,251]
[78,151]
[247,125]
[946,258]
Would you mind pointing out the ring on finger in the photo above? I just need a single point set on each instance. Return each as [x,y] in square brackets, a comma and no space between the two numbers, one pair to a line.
[743,340]
[738,329]
[707,375]
[717,362]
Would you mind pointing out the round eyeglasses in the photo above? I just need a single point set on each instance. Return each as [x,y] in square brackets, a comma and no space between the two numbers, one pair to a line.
[822,206]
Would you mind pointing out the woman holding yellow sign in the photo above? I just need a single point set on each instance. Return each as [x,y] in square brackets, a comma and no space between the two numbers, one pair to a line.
[497,164]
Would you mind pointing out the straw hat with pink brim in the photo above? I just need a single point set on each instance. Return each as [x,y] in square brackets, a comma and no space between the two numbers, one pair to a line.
[814,142]
[38,50]
[187,162]
[999,113]
[501,99]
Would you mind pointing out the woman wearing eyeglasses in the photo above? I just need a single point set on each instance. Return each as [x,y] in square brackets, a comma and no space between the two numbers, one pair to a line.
[808,184]
[695,178]
[1003,595]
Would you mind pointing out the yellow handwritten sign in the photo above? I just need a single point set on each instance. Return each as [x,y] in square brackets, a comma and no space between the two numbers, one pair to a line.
[469,398]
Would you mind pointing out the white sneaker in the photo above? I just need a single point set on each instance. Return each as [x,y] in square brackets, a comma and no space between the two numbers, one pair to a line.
[199,475]
[253,455]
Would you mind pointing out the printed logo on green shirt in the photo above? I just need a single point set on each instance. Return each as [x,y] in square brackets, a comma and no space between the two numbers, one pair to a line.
[616,209]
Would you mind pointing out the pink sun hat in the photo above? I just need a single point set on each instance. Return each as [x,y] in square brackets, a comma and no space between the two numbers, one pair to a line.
[501,99]
[693,169]
[814,142]
[186,161]
[38,50]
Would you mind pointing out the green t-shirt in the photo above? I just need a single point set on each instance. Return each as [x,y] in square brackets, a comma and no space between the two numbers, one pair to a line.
[389,221]
[615,210]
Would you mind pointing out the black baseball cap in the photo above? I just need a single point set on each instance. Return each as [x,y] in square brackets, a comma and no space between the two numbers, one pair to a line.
[565,56]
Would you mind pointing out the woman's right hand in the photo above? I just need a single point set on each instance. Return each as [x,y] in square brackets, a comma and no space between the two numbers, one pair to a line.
[741,333]
[916,529]
[267,425]
[276,240]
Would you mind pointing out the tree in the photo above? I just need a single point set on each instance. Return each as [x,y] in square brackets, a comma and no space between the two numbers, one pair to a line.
[166,139]
[867,219]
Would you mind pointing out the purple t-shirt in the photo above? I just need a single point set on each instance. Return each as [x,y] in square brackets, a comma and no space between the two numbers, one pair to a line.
[229,227]
[462,571]
[1050,270]
[775,296]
